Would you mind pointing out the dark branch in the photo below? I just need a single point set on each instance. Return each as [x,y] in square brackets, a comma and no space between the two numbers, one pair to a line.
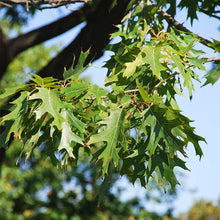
[37,36]
[180,27]
[3,53]
[37,4]
[210,14]
[2,157]
[9,49]
[96,35]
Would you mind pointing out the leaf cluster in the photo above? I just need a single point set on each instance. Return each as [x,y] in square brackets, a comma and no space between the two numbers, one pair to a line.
[192,7]
[135,125]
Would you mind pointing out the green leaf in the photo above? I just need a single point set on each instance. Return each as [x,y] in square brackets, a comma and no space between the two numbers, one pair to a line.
[160,130]
[131,66]
[5,135]
[137,161]
[44,82]
[213,76]
[68,137]
[51,104]
[191,7]
[185,72]
[198,63]
[139,164]
[98,92]
[216,45]
[18,111]
[74,72]
[12,90]
[143,93]
[75,90]
[163,166]
[152,56]
[194,139]
[75,122]
[32,138]
[112,135]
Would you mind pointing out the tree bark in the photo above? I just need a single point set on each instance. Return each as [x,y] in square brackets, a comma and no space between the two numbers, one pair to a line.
[10,48]
[95,35]
[3,53]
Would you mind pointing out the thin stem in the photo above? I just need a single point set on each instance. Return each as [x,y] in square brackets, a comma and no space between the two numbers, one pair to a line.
[207,13]
[163,81]
[210,59]
[180,27]
[37,4]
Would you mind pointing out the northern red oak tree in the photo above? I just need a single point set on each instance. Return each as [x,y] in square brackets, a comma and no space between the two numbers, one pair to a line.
[137,127]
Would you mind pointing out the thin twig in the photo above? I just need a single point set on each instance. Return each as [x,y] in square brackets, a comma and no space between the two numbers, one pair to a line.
[180,27]
[163,81]
[37,4]
[170,20]
[94,98]
[130,91]
[210,59]
[207,13]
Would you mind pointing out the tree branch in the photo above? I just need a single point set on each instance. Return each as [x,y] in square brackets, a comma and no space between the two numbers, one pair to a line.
[39,35]
[211,59]
[94,36]
[37,4]
[170,20]
[23,42]
[3,53]
[163,81]
[207,13]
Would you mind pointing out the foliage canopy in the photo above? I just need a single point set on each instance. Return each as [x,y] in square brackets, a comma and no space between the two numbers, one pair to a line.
[134,125]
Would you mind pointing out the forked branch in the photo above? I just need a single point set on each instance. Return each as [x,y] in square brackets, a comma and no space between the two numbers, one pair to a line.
[170,20]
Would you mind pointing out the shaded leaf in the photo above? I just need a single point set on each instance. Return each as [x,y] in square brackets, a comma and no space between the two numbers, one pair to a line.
[68,137]
[74,72]
[51,103]
[160,130]
[191,7]
[112,135]
[17,114]
[12,90]
[75,90]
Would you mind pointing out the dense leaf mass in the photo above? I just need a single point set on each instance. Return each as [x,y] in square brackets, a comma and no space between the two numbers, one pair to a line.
[135,125]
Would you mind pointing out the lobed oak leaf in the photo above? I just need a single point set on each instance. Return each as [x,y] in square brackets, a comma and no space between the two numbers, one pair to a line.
[51,104]
[111,135]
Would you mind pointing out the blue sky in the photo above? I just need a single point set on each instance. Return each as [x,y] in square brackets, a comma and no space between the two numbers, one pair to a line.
[204,109]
